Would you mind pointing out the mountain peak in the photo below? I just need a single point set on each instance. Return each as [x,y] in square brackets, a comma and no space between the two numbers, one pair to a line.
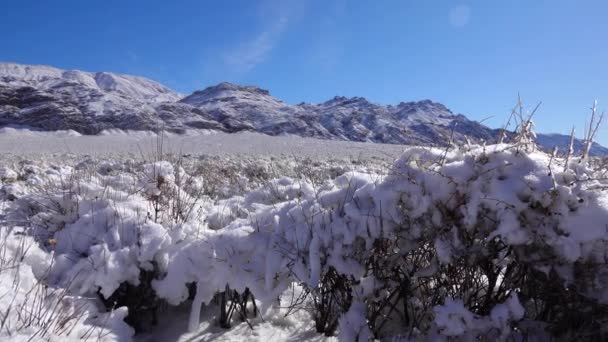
[227,86]
[23,73]
[343,100]
[425,104]
[46,78]
[225,90]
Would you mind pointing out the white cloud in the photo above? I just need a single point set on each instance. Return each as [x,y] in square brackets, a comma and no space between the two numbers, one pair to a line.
[246,55]
[459,16]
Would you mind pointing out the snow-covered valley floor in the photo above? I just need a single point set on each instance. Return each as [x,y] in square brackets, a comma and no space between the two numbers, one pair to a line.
[292,236]
[25,142]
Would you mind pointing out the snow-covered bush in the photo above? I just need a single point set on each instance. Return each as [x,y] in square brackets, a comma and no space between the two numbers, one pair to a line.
[30,310]
[105,230]
[483,232]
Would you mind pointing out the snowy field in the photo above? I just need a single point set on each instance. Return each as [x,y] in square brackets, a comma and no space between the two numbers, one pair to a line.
[244,160]
[249,237]
[25,142]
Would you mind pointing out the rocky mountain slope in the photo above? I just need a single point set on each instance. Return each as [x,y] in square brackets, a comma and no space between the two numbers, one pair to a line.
[356,119]
[47,98]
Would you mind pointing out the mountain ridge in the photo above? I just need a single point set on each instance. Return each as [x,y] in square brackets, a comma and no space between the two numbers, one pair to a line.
[49,98]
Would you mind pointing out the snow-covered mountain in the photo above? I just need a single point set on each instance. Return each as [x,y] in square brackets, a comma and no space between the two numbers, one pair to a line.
[563,141]
[48,98]
[112,86]
[343,118]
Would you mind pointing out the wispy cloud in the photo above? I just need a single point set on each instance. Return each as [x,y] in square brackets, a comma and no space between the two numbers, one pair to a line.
[246,55]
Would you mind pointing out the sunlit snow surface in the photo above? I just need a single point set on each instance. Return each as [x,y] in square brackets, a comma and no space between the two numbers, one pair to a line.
[116,142]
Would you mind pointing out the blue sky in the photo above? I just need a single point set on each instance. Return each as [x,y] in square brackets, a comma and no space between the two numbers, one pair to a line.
[473,56]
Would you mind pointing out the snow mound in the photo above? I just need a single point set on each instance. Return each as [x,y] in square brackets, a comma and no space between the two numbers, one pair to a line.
[32,311]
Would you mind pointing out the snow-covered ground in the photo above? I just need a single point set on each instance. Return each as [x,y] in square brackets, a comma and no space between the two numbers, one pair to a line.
[26,142]
[297,238]
[233,165]
[276,326]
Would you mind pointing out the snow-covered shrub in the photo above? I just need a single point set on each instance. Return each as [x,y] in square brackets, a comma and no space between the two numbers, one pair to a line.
[484,231]
[174,194]
[31,310]
[7,175]
[107,229]
[331,298]
[487,224]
